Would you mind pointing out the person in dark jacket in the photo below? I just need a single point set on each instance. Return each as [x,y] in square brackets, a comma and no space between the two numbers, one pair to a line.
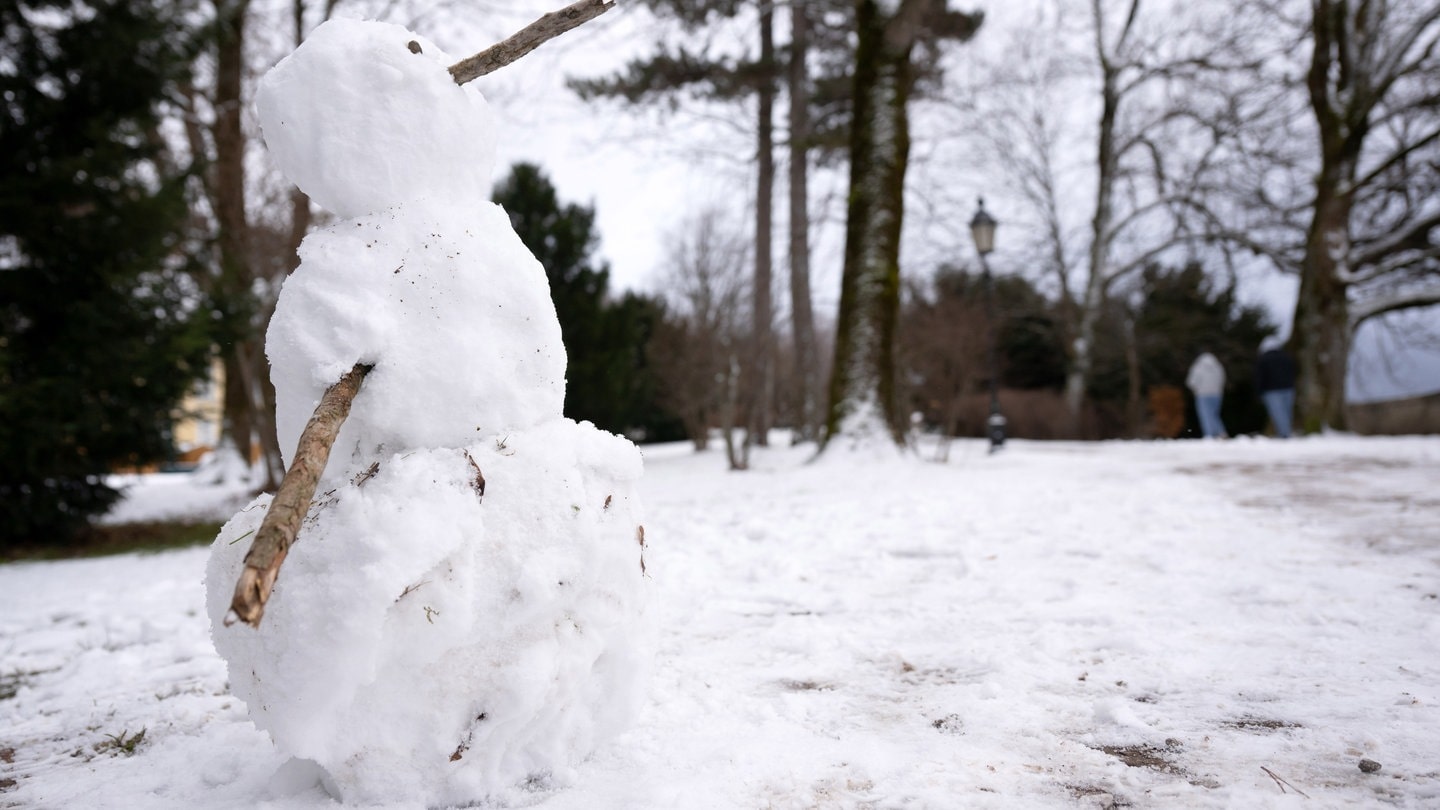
[1275,379]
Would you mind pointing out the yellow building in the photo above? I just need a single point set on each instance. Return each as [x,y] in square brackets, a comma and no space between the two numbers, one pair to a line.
[197,419]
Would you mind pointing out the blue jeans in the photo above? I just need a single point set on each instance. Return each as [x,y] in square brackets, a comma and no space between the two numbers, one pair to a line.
[1208,408]
[1281,405]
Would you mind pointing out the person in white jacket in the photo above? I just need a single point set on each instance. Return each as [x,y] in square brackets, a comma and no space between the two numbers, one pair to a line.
[1207,381]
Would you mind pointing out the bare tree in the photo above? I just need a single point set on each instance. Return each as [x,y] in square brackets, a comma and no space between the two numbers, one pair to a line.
[942,344]
[701,340]
[218,136]
[1160,85]
[252,249]
[1372,242]
[694,73]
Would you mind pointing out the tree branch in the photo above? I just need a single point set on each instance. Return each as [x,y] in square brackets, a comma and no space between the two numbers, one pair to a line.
[292,501]
[528,39]
[1365,310]
[1396,158]
[1413,235]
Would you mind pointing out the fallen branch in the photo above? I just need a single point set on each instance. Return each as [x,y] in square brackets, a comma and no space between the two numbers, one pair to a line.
[1281,783]
[528,39]
[292,501]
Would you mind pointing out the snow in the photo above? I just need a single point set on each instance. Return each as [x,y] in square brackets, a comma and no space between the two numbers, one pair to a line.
[449,306]
[357,96]
[425,642]
[425,278]
[999,631]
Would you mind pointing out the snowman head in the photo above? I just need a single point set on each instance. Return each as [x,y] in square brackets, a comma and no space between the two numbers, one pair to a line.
[365,116]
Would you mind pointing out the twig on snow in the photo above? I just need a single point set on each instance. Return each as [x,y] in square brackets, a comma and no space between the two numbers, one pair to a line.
[1281,783]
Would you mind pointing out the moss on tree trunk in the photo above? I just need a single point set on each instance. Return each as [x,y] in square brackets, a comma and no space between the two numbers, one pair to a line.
[862,382]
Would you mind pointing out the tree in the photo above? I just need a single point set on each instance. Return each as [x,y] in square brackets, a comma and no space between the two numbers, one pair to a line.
[806,391]
[607,379]
[1145,340]
[703,331]
[943,360]
[100,333]
[942,345]
[1149,99]
[635,326]
[862,381]
[817,119]
[669,73]
[246,234]
[1372,242]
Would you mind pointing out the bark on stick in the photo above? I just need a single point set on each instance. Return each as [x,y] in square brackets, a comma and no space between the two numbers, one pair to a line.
[528,39]
[292,501]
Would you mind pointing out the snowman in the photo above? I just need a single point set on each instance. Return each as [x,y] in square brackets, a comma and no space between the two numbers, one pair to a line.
[463,612]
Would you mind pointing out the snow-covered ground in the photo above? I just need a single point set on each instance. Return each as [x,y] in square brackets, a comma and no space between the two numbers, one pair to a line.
[1186,624]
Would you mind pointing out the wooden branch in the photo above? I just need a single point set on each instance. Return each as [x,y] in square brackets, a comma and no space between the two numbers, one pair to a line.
[528,39]
[1281,783]
[292,501]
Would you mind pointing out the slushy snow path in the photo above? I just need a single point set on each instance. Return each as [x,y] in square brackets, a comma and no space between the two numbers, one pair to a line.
[1061,625]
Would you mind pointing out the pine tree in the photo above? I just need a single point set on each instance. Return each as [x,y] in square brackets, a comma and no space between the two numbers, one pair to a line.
[607,378]
[99,334]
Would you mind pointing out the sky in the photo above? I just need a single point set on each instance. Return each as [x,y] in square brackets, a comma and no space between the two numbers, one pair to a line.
[1197,624]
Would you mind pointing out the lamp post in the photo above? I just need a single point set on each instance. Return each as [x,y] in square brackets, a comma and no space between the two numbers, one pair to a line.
[982,230]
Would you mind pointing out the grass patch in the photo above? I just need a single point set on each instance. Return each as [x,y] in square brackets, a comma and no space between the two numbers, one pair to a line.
[122,743]
[123,538]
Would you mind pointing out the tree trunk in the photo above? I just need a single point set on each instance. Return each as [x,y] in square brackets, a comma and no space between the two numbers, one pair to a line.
[802,318]
[234,285]
[1092,298]
[236,426]
[737,453]
[1134,407]
[1077,377]
[862,382]
[1320,337]
[762,348]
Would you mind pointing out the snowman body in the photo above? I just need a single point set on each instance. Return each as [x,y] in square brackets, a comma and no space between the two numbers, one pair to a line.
[463,611]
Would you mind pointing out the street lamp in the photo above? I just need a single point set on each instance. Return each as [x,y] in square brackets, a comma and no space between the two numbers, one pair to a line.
[982,230]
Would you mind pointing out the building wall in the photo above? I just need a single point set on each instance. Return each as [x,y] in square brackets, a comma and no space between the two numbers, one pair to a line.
[197,421]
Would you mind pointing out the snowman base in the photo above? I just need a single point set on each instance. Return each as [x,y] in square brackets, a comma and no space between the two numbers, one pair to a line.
[429,642]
